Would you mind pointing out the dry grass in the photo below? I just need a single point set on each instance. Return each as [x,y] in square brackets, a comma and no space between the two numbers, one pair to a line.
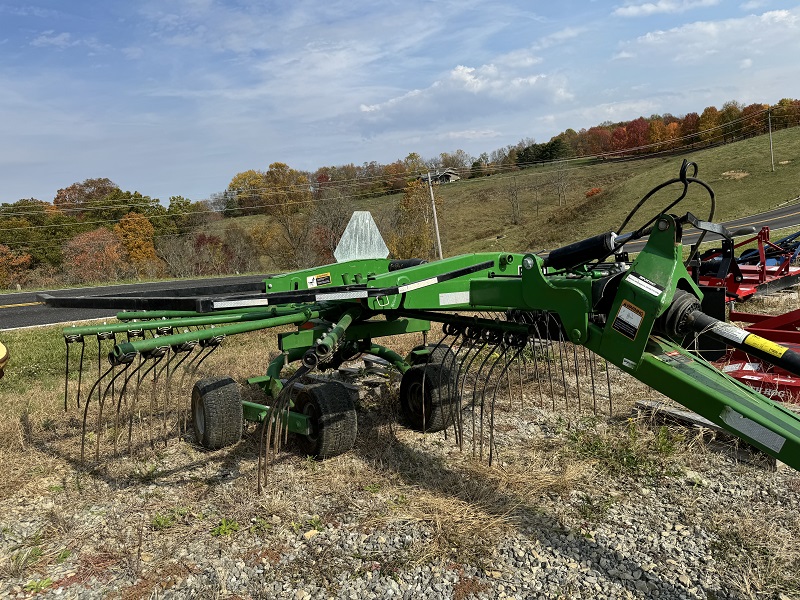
[124,522]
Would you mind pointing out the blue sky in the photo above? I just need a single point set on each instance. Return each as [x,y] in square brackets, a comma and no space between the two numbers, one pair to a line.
[174,97]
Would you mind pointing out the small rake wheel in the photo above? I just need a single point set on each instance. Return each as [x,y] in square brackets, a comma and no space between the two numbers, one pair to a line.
[332,416]
[217,414]
[425,404]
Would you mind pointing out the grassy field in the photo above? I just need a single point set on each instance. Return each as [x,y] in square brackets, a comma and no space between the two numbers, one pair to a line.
[475,214]
[152,502]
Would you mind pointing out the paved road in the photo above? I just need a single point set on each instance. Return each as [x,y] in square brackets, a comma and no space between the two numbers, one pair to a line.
[778,218]
[24,310]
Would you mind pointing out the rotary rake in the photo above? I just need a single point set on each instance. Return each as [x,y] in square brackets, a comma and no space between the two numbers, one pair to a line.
[554,326]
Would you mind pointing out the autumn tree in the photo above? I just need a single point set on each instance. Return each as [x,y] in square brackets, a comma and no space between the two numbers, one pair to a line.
[412,232]
[135,232]
[96,255]
[598,140]
[458,160]
[13,266]
[637,132]
[730,120]
[657,134]
[707,124]
[415,164]
[690,128]
[619,139]
[395,177]
[279,189]
[754,119]
[78,196]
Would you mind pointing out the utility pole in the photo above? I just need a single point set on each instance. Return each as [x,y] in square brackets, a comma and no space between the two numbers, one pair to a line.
[771,153]
[435,219]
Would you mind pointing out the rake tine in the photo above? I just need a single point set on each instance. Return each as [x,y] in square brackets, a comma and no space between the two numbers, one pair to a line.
[519,344]
[130,358]
[211,345]
[158,357]
[493,336]
[577,379]
[470,338]
[608,381]
[591,374]
[186,351]
[71,339]
[453,370]
[561,351]
[98,422]
[86,410]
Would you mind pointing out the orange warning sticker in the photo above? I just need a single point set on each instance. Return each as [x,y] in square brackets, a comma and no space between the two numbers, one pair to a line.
[628,319]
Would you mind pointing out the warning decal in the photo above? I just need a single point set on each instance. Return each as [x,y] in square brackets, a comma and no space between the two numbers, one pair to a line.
[313,281]
[765,345]
[643,283]
[628,319]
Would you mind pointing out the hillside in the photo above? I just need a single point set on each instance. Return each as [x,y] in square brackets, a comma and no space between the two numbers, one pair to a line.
[475,214]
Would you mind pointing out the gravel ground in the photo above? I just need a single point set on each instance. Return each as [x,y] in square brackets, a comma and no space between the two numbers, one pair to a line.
[404,516]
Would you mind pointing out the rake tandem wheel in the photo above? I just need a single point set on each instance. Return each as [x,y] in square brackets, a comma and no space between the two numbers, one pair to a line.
[332,419]
[217,414]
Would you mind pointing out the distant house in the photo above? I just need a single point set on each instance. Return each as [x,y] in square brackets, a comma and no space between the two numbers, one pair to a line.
[446,176]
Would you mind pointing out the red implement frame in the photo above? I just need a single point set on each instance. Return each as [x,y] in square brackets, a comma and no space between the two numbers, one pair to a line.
[742,281]
[773,382]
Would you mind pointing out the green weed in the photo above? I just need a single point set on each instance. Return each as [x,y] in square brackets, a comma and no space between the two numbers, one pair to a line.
[38,585]
[162,521]
[225,527]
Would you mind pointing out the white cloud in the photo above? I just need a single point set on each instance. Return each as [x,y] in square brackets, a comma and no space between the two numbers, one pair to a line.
[746,63]
[754,4]
[775,30]
[51,38]
[645,9]
[559,37]
[623,55]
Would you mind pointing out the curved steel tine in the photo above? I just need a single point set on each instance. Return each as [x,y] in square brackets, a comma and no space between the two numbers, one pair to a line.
[518,351]
[80,375]
[66,374]
[70,339]
[561,351]
[577,373]
[153,391]
[591,375]
[121,397]
[86,410]
[98,422]
[186,350]
[478,379]
[274,427]
[473,350]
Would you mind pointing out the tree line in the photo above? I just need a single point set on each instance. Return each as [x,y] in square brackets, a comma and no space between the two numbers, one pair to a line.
[94,231]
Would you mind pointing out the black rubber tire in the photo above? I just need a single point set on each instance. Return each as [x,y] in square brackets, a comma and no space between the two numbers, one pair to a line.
[441,354]
[217,413]
[425,403]
[334,423]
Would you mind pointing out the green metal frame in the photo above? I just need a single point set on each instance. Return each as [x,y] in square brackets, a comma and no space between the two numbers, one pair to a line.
[376,302]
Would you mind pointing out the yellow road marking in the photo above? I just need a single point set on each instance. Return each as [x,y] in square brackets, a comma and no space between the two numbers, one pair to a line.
[21,304]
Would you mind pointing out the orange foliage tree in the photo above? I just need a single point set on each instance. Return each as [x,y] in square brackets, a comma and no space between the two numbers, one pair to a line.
[96,255]
[135,232]
[12,266]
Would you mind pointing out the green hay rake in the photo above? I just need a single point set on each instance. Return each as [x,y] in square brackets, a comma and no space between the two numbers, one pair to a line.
[544,323]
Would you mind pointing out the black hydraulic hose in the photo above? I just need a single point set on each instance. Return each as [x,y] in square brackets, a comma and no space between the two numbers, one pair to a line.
[752,344]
